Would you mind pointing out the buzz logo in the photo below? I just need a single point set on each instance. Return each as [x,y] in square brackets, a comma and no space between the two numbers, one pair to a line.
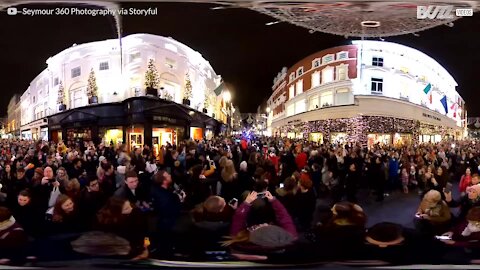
[435,12]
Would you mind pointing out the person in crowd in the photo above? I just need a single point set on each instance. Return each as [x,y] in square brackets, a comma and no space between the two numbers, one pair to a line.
[405,180]
[254,230]
[13,239]
[62,176]
[465,181]
[92,199]
[472,199]
[378,178]
[229,181]
[66,217]
[133,191]
[305,202]
[433,215]
[27,214]
[352,180]
[122,218]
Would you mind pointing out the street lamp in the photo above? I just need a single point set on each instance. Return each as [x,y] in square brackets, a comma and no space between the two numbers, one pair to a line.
[268,109]
[227,96]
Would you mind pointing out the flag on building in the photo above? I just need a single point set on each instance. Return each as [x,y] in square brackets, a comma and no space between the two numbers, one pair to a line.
[444,103]
[430,98]
[427,88]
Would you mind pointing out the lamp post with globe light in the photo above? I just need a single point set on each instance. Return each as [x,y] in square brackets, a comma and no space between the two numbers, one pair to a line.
[227,97]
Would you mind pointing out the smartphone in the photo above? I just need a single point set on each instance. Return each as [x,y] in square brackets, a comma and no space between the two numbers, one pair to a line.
[443,237]
[261,195]
[281,185]
[233,201]
[448,188]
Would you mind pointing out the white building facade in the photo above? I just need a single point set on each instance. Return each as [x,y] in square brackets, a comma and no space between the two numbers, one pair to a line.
[370,91]
[118,78]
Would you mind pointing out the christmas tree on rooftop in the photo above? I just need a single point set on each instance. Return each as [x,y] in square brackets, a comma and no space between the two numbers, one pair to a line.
[92,88]
[188,87]
[152,79]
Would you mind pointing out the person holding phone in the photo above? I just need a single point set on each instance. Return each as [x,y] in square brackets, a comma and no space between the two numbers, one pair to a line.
[466,234]
[433,214]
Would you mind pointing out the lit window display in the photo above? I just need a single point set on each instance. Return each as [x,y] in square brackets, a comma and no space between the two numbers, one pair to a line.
[291,135]
[430,138]
[316,137]
[111,135]
[196,133]
[135,137]
[338,137]
[382,139]
[402,139]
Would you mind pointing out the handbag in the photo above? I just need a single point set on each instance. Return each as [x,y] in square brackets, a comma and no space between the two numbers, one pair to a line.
[53,197]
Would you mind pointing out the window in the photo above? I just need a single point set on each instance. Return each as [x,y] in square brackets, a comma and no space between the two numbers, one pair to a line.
[377,61]
[56,81]
[170,63]
[327,75]
[76,72]
[326,99]
[316,63]
[33,99]
[327,58]
[299,71]
[299,87]
[313,103]
[342,72]
[342,96]
[78,98]
[291,109]
[315,79]
[377,86]
[103,66]
[300,106]
[342,55]
[291,92]
[133,56]
[292,77]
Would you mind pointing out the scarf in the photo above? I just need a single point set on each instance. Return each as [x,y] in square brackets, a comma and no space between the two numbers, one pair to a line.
[7,223]
[471,228]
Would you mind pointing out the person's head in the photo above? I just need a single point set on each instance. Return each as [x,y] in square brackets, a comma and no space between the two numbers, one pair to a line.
[163,179]
[385,234]
[38,173]
[475,179]
[228,171]
[473,192]
[23,198]
[48,172]
[243,166]
[439,171]
[72,186]
[138,151]
[432,198]
[305,183]
[114,211]
[214,204]
[93,185]
[64,206]
[77,163]
[346,213]
[289,185]
[131,179]
[61,173]
[5,214]
[20,173]
[352,167]
[8,168]
[468,171]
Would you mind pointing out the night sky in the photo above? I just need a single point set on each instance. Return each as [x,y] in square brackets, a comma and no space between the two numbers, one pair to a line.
[237,43]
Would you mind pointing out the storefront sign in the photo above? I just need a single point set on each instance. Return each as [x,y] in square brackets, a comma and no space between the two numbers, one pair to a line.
[55,127]
[426,115]
[293,122]
[209,127]
[165,119]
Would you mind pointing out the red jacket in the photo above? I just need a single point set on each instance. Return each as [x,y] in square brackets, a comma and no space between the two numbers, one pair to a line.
[465,181]
[301,160]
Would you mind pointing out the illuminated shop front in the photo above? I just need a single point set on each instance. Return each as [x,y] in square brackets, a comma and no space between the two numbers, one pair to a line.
[316,137]
[400,139]
[379,139]
[136,122]
[338,137]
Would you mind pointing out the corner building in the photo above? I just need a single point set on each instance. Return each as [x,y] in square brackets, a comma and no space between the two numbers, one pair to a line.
[124,112]
[369,92]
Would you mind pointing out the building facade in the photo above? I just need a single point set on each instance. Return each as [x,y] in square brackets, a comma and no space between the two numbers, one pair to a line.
[12,128]
[369,92]
[49,105]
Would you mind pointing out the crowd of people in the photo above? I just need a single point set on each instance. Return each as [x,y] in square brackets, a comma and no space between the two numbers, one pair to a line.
[248,199]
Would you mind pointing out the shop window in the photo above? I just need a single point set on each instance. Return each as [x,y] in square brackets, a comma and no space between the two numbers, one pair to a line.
[327,59]
[316,137]
[291,109]
[112,136]
[381,139]
[75,72]
[342,96]
[133,56]
[342,72]
[103,66]
[342,55]
[338,137]
[316,63]
[291,135]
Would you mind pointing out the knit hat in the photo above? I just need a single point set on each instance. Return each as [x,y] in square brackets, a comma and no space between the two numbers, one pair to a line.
[271,236]
[101,158]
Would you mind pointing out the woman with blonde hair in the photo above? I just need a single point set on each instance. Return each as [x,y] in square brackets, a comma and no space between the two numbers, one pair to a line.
[433,214]
[229,180]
